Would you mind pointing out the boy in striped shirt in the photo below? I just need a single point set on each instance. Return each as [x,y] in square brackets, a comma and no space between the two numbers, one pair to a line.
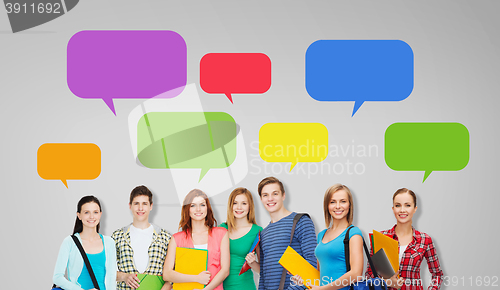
[275,238]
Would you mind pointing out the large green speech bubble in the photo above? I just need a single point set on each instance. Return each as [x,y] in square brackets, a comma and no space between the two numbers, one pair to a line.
[426,147]
[205,140]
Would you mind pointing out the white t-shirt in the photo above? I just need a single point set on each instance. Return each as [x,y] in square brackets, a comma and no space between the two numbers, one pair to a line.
[402,249]
[201,247]
[140,240]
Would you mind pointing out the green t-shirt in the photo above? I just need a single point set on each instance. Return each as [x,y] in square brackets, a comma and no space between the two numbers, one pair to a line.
[239,249]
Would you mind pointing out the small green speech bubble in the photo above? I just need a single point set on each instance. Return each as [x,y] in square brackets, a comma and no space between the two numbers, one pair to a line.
[426,147]
[167,140]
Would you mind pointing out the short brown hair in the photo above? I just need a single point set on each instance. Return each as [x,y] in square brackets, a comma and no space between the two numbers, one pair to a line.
[269,180]
[251,210]
[405,190]
[328,197]
[185,223]
[141,190]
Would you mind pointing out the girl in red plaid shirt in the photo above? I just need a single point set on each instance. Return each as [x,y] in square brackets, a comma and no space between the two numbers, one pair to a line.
[414,246]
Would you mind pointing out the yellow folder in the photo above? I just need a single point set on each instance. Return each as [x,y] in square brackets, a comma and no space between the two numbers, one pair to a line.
[192,262]
[390,246]
[297,265]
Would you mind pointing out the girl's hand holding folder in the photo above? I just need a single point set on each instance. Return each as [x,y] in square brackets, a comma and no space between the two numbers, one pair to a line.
[204,277]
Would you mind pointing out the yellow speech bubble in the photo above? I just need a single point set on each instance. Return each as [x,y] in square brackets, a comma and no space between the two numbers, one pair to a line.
[293,142]
[63,161]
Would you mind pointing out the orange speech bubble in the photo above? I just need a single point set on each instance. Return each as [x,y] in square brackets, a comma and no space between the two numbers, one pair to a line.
[63,161]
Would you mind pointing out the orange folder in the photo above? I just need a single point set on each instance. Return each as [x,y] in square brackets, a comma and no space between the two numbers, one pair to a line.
[297,265]
[390,246]
[190,261]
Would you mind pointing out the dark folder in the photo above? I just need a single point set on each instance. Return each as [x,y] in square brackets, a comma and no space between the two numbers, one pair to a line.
[382,264]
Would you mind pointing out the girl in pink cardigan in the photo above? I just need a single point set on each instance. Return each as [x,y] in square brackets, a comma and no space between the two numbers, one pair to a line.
[199,231]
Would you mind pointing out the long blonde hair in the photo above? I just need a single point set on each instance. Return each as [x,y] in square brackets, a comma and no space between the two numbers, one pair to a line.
[251,210]
[328,197]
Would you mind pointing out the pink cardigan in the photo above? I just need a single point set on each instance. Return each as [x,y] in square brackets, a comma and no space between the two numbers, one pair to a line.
[183,239]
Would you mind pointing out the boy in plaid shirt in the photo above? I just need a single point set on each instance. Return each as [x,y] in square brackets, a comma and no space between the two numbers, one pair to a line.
[141,247]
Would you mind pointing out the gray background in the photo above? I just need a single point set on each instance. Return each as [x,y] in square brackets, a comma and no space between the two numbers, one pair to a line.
[456,49]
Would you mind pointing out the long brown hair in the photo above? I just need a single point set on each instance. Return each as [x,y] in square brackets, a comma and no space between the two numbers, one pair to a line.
[251,210]
[185,223]
[328,197]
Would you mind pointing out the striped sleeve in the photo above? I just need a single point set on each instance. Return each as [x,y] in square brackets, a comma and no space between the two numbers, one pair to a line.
[306,236]
[304,242]
[262,276]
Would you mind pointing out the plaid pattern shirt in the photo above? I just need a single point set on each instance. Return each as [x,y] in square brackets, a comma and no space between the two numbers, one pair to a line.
[125,254]
[419,248]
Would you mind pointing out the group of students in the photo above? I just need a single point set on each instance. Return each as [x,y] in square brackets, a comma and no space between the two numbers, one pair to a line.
[144,248]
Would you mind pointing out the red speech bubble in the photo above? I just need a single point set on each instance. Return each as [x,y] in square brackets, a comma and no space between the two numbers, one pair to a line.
[235,73]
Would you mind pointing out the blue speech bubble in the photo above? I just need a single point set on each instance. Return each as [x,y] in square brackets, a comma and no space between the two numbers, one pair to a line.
[359,71]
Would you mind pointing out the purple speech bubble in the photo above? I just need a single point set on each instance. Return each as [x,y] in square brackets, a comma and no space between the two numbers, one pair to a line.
[123,64]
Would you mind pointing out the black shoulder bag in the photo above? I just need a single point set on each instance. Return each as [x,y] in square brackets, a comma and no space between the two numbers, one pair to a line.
[87,263]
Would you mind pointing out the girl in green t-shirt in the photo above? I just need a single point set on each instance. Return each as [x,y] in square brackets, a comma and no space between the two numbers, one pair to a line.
[243,230]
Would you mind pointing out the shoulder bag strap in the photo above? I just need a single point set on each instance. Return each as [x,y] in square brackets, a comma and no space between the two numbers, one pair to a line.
[347,253]
[87,262]
[346,250]
[372,266]
[295,221]
[348,261]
